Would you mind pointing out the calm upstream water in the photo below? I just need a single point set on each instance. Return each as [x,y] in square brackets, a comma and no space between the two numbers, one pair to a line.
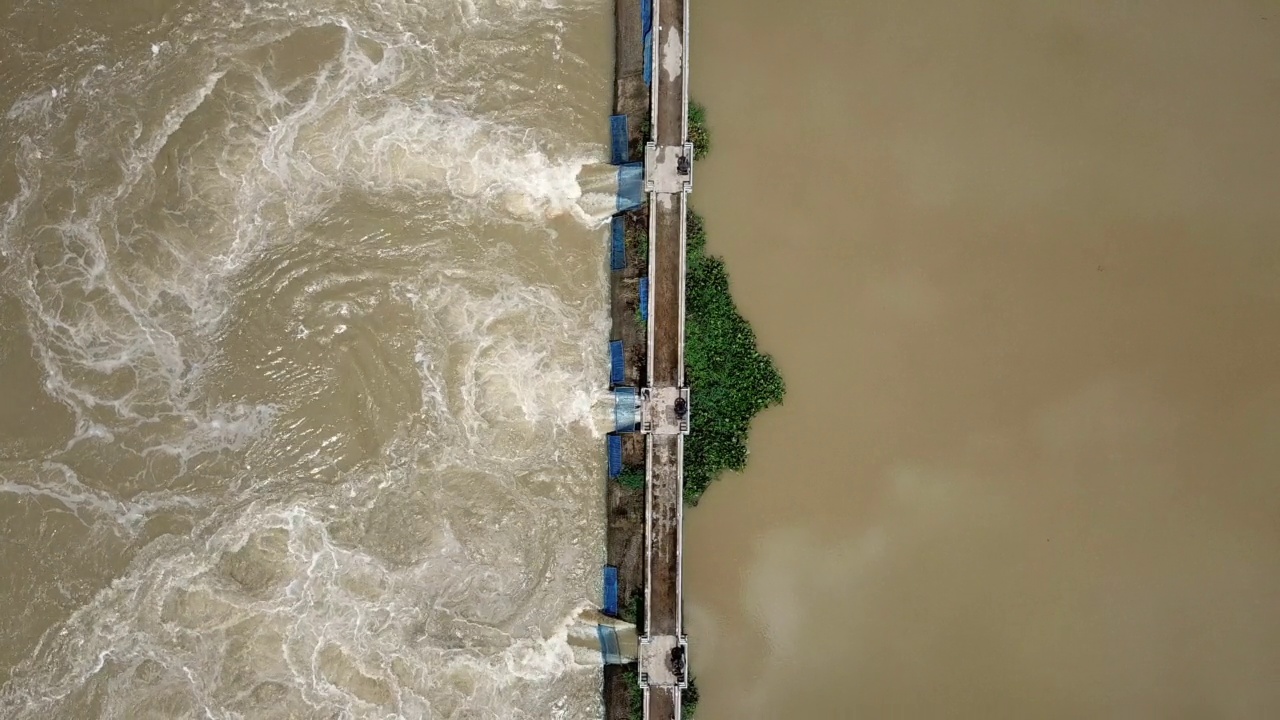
[302,324]
[1020,265]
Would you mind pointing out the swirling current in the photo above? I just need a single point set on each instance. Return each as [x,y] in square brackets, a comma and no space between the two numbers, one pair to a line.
[303,307]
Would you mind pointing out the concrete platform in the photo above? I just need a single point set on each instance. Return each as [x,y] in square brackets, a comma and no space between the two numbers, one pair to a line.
[663,661]
[668,180]
[668,168]
[658,414]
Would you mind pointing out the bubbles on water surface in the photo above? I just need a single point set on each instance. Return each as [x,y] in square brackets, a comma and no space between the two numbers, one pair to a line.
[287,282]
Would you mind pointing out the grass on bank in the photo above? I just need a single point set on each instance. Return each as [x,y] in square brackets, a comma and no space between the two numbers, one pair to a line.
[730,380]
[688,699]
[632,477]
[638,239]
[699,133]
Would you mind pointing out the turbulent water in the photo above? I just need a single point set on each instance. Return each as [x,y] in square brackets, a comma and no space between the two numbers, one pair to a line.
[302,307]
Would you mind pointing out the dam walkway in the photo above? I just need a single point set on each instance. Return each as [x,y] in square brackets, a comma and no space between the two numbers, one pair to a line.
[651,395]
[664,416]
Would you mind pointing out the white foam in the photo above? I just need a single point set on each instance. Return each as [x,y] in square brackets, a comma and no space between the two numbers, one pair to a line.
[60,484]
[434,576]
[182,607]
[525,373]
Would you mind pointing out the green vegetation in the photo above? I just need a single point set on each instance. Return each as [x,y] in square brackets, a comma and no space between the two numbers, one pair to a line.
[699,134]
[632,478]
[689,700]
[635,705]
[638,239]
[730,380]
[633,612]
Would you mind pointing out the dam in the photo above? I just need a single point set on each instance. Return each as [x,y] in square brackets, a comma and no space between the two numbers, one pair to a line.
[652,93]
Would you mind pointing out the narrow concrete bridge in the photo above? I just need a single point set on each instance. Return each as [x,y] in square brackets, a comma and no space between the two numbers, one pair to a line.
[664,416]
[652,92]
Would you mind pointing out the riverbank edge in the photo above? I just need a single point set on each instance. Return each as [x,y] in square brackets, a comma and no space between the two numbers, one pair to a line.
[726,341]
[624,503]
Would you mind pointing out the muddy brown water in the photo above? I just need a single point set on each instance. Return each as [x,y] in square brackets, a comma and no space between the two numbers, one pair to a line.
[302,307]
[1020,265]
[303,322]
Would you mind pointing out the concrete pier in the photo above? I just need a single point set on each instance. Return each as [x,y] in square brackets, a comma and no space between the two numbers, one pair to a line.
[657,114]
[668,180]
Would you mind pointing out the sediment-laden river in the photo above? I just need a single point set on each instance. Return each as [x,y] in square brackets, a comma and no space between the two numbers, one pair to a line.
[302,319]
[1020,266]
